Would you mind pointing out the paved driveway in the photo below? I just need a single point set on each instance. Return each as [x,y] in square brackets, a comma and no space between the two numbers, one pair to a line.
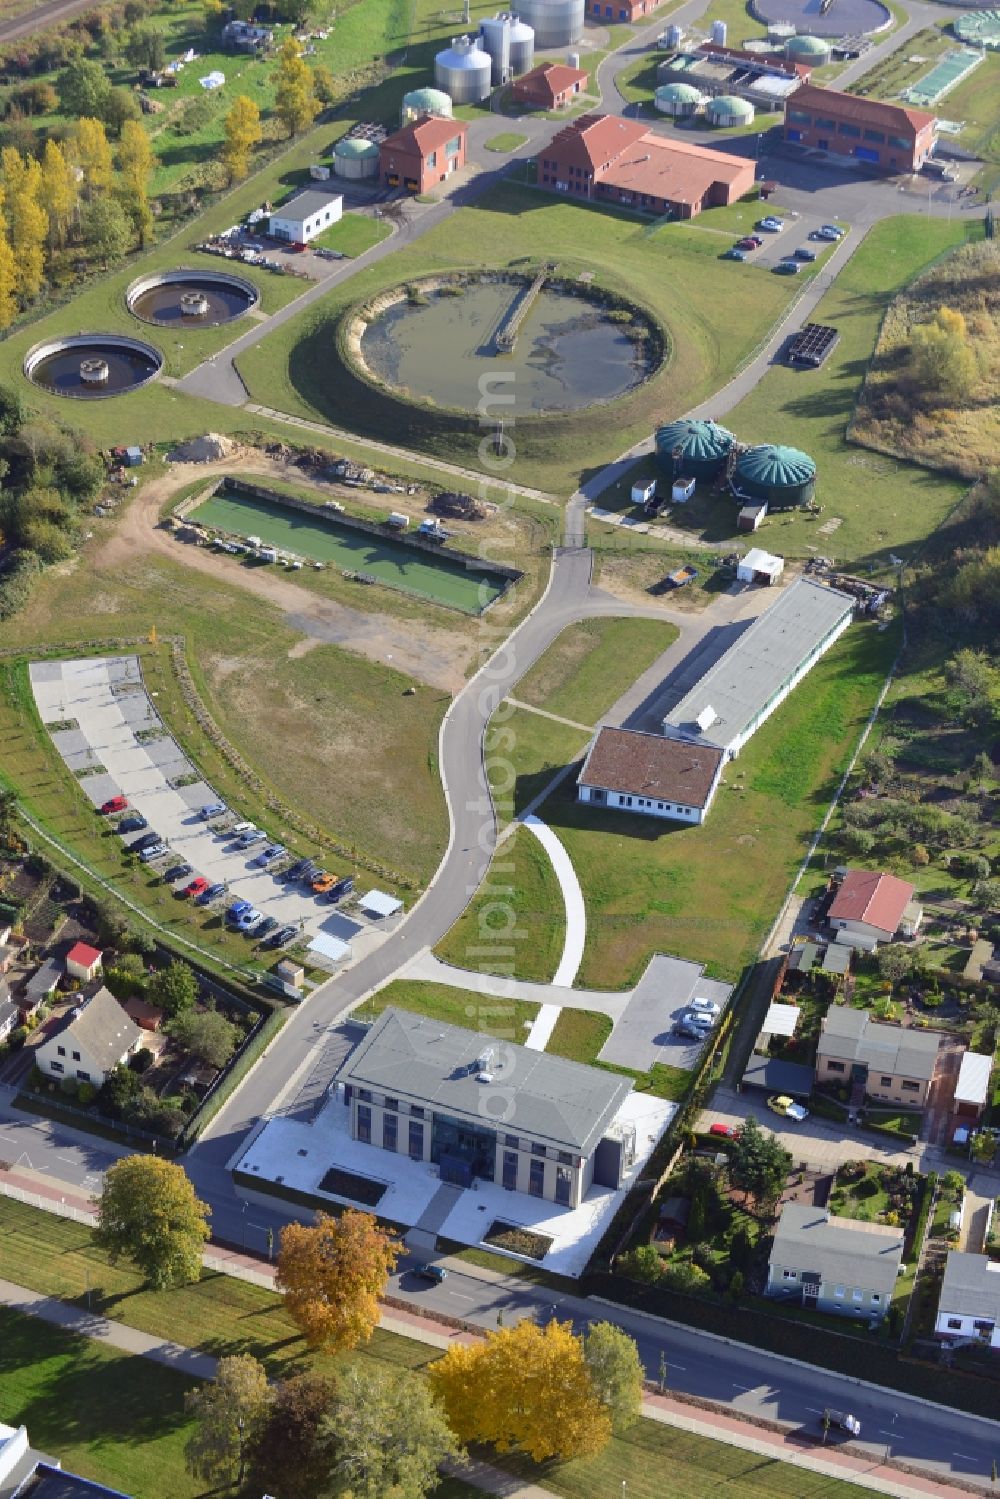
[644,1034]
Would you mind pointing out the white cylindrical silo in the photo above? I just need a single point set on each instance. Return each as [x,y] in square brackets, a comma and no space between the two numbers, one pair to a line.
[675,35]
[464,71]
[556,23]
[522,47]
[494,35]
[719,33]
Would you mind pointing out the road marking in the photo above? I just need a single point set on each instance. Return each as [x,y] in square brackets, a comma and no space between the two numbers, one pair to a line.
[457,1296]
[814,1412]
[967,1457]
[746,1388]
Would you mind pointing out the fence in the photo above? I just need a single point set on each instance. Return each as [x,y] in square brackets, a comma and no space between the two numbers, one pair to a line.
[59,1206]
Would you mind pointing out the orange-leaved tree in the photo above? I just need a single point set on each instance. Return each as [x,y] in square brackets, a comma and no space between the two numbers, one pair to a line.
[526,1388]
[333,1274]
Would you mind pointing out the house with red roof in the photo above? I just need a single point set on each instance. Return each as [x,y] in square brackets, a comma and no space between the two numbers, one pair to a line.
[870,907]
[83,962]
[423,154]
[552,85]
[608,159]
[890,137]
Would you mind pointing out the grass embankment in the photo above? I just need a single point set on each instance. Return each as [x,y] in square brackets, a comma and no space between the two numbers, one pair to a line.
[714,312]
[507,1019]
[523,753]
[882,504]
[894,414]
[584,672]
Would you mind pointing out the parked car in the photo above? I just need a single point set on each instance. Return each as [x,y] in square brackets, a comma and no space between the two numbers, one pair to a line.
[780,1103]
[198,886]
[340,889]
[697,1017]
[841,1421]
[281,936]
[114,804]
[298,869]
[706,1007]
[429,1272]
[725,1131]
[324,883]
[311,870]
[689,1030]
[212,893]
[831,231]
[153,852]
[247,840]
[787,268]
[248,920]
[749,242]
[213,809]
[134,823]
[237,909]
[177,872]
[771,224]
[804,253]
[269,924]
[268,855]
[735,254]
[146,841]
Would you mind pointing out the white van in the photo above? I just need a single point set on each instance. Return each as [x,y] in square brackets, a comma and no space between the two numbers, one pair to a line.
[239,830]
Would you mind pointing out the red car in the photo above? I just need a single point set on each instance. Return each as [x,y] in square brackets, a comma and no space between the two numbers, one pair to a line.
[749,242]
[196,887]
[116,804]
[727,1131]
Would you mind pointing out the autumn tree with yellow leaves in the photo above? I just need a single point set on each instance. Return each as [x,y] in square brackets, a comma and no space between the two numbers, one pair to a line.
[135,167]
[526,1388]
[333,1274]
[59,193]
[93,153]
[27,221]
[242,135]
[295,101]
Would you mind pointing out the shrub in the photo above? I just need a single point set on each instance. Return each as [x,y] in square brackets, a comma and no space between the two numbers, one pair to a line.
[18,1036]
[142,1060]
[86,1093]
[67,1085]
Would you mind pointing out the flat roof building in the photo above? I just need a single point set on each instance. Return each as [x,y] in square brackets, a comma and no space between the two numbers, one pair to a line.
[648,773]
[306,215]
[764,80]
[483,1108]
[757,673]
[889,137]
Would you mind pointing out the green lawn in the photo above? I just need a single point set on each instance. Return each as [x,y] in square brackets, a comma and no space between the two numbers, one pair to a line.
[585,671]
[115,1419]
[579,1035]
[883,504]
[515,923]
[523,752]
[507,140]
[507,1019]
[714,313]
[353,235]
[710,893]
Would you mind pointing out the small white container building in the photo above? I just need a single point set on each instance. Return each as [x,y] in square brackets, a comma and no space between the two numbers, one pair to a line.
[643,490]
[759,566]
[306,215]
[682,490]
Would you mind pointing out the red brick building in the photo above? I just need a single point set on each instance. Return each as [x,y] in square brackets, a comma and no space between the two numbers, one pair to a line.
[630,11]
[424,153]
[552,85]
[611,160]
[890,137]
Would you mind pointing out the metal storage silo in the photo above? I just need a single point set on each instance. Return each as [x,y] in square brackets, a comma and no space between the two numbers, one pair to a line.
[809,49]
[719,33]
[424,101]
[494,36]
[354,158]
[464,71]
[573,59]
[728,109]
[522,47]
[678,99]
[697,449]
[675,35]
[782,476]
[556,23]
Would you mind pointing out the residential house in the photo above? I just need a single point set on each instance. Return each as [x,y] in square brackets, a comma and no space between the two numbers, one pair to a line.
[482,1109]
[423,153]
[83,962]
[870,907]
[836,1265]
[892,1064]
[306,215]
[613,160]
[633,772]
[972,1091]
[552,85]
[890,137]
[43,982]
[969,1303]
[10,1015]
[95,1037]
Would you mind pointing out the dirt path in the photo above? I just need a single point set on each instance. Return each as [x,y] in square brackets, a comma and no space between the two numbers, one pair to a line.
[438,657]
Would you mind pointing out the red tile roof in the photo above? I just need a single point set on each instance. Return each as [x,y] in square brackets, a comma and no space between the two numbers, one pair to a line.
[651,765]
[675,170]
[861,111]
[876,899]
[83,954]
[595,140]
[549,80]
[426,134]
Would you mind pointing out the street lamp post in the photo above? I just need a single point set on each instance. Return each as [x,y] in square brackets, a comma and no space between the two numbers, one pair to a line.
[245,1206]
[888,1445]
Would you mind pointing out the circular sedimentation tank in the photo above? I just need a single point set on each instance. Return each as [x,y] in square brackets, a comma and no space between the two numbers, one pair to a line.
[784,18]
[678,99]
[204,299]
[698,449]
[729,109]
[422,101]
[813,50]
[355,158]
[91,366]
[784,477]
[979,28]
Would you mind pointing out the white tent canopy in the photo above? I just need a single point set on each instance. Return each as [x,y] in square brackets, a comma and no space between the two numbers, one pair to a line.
[377,903]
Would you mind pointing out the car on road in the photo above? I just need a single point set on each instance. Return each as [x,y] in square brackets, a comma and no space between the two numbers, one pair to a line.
[780,1103]
[283,935]
[840,1421]
[268,855]
[198,886]
[804,253]
[787,268]
[268,925]
[735,254]
[428,1272]
[134,823]
[212,893]
[177,872]
[706,1007]
[343,887]
[153,852]
[114,804]
[323,883]
[212,809]
[725,1131]
[770,225]
[146,841]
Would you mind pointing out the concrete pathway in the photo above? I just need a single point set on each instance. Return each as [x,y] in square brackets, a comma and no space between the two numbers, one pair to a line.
[426,966]
[570,723]
[575,910]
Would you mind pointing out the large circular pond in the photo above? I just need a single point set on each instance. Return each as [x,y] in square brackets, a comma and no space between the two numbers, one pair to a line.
[92,365]
[440,344]
[196,299]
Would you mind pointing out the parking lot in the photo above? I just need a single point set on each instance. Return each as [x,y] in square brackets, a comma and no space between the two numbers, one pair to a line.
[111,738]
